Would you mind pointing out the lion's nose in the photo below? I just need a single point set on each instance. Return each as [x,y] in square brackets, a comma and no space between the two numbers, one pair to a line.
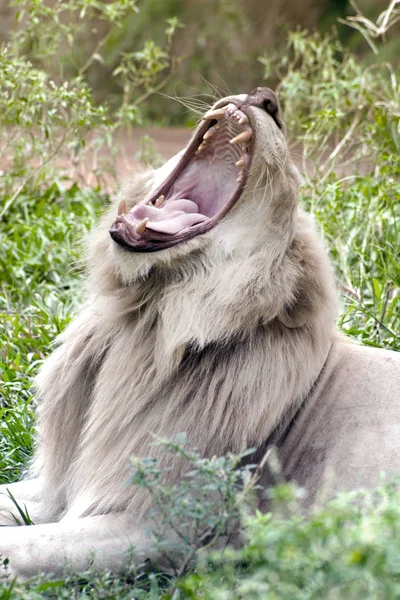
[264,98]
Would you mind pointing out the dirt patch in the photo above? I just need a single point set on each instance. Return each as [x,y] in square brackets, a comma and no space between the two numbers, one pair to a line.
[166,142]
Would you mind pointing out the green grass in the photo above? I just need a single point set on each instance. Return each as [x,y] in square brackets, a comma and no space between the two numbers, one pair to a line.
[39,292]
[361,222]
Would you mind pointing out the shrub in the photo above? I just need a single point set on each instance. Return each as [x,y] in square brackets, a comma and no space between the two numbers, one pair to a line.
[348,549]
[47,116]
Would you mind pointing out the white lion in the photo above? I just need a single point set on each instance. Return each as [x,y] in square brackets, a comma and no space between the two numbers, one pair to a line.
[210,310]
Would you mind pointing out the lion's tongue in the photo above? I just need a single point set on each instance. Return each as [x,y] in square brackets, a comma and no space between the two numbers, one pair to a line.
[171,218]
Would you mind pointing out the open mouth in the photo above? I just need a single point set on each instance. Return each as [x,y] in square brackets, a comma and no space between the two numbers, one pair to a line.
[198,193]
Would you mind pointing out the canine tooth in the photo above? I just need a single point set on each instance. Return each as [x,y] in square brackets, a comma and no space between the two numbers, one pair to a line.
[243,120]
[240,162]
[202,146]
[217,114]
[122,208]
[209,133]
[245,136]
[159,201]
[142,225]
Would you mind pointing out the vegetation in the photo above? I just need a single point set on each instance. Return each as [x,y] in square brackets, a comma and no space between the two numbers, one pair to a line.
[349,550]
[344,122]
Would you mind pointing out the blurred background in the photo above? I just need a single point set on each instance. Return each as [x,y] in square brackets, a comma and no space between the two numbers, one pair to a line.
[215,49]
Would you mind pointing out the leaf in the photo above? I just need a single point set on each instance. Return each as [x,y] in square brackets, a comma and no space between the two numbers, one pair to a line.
[377,289]
[98,57]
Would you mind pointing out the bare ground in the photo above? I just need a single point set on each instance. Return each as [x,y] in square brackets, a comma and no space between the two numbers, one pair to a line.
[167,142]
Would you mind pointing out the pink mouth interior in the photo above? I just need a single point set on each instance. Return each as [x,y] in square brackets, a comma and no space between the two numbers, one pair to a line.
[202,188]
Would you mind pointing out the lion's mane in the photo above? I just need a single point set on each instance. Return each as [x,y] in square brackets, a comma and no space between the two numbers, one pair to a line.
[215,344]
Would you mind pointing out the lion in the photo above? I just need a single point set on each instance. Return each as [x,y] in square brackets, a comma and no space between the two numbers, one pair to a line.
[210,309]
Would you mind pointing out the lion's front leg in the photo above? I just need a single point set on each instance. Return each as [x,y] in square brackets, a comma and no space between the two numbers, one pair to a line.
[100,542]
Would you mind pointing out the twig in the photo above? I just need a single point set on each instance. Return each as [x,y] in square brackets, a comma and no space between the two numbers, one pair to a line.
[95,52]
[349,291]
[343,142]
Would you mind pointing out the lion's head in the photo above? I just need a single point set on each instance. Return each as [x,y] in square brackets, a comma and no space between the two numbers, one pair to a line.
[234,188]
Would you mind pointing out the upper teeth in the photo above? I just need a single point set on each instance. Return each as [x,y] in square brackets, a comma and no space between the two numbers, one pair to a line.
[231,111]
[245,136]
